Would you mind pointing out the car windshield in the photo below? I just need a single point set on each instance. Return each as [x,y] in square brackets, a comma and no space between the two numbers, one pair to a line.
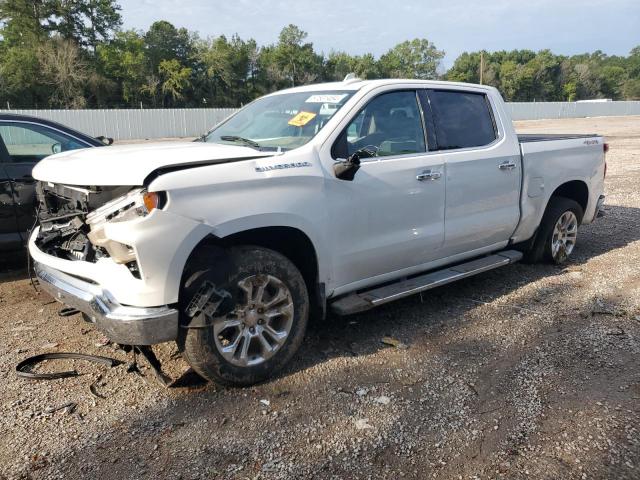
[283,121]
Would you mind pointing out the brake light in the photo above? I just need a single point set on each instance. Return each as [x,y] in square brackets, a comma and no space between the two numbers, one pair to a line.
[605,170]
[605,147]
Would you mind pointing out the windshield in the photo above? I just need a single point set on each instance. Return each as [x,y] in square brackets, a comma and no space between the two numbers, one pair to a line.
[284,121]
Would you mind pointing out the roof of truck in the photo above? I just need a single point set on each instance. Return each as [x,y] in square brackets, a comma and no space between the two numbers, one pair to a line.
[356,84]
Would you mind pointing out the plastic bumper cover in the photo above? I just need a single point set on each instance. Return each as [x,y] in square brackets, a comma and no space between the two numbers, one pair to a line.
[122,324]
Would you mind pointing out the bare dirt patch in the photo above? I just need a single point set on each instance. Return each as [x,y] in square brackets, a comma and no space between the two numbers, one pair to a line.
[531,371]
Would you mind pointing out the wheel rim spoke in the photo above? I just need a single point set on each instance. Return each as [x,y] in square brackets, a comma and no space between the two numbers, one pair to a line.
[565,233]
[260,324]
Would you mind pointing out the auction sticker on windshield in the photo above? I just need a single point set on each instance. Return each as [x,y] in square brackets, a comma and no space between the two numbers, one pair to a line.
[301,119]
[325,98]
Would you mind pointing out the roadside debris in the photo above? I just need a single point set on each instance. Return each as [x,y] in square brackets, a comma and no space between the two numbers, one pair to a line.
[363,424]
[382,400]
[361,392]
[103,342]
[23,369]
[394,342]
[93,389]
[69,408]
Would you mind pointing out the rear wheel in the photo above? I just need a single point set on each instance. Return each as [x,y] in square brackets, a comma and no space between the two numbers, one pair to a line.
[558,232]
[257,328]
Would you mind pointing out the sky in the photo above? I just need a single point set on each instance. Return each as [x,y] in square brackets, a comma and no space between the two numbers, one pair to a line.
[360,26]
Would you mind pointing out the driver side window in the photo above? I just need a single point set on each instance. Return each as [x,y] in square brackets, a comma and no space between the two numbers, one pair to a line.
[390,124]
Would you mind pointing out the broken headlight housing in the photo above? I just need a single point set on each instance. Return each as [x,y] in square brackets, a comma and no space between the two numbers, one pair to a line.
[135,204]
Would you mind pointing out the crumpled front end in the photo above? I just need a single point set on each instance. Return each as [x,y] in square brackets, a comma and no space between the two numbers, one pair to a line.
[113,257]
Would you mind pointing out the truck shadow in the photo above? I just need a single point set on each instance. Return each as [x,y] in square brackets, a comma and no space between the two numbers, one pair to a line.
[361,333]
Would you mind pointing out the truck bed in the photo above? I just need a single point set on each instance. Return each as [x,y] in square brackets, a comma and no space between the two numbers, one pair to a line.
[542,137]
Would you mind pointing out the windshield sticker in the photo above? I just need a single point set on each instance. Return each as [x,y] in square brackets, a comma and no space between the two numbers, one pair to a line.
[301,119]
[325,98]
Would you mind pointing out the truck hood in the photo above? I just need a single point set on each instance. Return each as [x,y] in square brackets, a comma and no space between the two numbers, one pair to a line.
[131,164]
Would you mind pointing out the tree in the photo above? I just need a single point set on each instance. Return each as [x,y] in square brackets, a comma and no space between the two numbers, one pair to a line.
[296,60]
[163,41]
[85,21]
[123,60]
[175,78]
[64,70]
[418,58]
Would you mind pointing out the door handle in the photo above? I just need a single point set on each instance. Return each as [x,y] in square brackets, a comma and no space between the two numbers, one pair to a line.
[428,175]
[508,165]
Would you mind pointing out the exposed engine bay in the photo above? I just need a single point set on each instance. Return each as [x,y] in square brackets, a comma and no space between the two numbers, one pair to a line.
[62,216]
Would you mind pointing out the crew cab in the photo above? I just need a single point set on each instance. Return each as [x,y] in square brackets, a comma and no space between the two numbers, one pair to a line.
[339,196]
[24,141]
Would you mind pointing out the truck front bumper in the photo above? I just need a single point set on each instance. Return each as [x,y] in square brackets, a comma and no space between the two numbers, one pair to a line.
[122,324]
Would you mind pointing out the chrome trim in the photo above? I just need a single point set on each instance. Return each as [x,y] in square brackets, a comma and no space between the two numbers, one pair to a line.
[428,175]
[122,324]
[507,165]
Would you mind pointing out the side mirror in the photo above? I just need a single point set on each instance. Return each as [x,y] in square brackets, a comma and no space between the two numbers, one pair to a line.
[106,140]
[56,148]
[346,169]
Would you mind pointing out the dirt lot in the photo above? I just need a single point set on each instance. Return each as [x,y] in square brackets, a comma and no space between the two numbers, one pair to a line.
[531,371]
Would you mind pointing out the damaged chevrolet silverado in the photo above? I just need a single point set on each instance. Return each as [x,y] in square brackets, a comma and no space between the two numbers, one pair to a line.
[341,196]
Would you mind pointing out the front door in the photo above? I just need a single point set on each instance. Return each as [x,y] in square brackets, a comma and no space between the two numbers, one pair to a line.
[390,217]
[9,237]
[26,144]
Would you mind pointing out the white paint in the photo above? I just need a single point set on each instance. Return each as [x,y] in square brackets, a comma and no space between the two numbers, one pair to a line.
[382,226]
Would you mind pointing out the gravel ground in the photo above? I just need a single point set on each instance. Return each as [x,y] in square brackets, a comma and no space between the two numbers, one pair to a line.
[525,372]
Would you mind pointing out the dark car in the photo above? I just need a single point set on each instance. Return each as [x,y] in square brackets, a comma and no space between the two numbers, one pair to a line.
[24,141]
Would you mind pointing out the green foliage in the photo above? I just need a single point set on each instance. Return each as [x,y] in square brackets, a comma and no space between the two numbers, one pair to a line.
[523,75]
[72,53]
[175,79]
[417,58]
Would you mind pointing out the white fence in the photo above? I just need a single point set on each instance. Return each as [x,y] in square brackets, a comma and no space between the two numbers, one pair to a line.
[191,122]
[542,110]
[136,124]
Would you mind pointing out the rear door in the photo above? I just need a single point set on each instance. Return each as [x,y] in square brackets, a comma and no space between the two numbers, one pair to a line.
[26,143]
[483,170]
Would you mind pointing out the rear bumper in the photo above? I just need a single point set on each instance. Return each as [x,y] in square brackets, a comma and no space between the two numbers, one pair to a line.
[122,324]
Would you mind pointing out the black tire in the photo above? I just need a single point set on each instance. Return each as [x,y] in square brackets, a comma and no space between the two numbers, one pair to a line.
[541,250]
[198,345]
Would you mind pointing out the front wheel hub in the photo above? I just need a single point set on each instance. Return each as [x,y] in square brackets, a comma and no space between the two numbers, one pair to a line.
[260,324]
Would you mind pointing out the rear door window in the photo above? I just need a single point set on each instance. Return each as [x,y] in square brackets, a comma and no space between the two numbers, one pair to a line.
[462,119]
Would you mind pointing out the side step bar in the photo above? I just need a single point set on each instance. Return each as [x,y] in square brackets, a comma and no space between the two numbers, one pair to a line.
[359,302]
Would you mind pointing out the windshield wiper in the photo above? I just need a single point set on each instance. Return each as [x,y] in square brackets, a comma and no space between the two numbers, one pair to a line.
[235,138]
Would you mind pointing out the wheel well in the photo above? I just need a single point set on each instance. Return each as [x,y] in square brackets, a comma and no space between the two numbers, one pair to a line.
[293,244]
[575,190]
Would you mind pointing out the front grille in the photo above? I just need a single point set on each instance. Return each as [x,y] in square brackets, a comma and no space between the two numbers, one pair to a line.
[62,211]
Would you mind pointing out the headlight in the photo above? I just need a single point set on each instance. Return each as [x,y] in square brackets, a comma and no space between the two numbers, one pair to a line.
[135,204]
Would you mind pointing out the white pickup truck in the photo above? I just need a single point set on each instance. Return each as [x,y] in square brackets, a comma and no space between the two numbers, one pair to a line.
[339,196]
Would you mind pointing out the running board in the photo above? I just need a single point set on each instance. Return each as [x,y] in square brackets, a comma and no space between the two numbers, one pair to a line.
[359,302]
